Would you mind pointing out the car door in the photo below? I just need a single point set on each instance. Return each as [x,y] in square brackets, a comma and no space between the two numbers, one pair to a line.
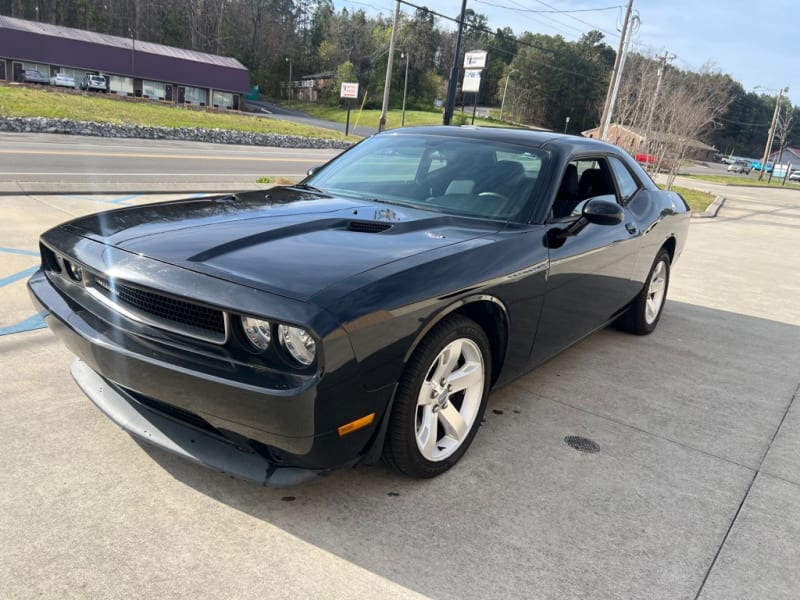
[591,265]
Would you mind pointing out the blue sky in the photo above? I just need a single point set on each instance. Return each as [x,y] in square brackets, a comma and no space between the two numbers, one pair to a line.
[755,43]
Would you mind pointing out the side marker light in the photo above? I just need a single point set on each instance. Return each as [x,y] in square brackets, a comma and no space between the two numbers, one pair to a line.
[357,424]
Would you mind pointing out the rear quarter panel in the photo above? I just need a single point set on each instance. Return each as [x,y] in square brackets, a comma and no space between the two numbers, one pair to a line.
[663,218]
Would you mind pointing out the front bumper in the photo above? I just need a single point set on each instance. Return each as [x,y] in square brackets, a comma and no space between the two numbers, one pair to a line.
[188,442]
[277,429]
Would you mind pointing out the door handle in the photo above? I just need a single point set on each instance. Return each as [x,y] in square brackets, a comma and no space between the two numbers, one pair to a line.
[631,228]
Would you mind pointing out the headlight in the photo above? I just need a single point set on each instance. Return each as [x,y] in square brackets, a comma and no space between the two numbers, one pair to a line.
[73,270]
[298,343]
[257,331]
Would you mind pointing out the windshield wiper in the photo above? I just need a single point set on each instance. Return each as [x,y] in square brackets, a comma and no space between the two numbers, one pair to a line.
[395,202]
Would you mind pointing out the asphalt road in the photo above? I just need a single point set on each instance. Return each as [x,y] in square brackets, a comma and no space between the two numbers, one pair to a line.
[695,492]
[35,163]
[267,109]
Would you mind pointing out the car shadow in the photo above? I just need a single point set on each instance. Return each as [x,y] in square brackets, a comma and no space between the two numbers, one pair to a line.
[682,418]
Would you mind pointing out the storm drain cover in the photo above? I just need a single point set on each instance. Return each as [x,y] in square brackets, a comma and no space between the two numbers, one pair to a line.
[582,444]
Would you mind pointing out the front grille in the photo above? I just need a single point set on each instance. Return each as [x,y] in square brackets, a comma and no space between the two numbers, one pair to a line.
[163,311]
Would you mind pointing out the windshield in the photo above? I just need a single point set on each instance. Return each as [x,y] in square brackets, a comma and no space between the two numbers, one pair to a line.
[461,176]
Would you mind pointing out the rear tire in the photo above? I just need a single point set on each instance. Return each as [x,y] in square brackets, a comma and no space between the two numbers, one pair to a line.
[440,399]
[645,311]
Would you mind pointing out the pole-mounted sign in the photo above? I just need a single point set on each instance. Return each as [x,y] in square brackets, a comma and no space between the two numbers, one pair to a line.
[472,81]
[475,59]
[474,63]
[348,92]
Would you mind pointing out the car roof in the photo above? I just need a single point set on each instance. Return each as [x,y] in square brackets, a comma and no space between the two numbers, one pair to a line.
[539,139]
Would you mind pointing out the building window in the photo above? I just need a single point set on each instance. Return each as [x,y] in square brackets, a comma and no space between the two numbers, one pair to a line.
[153,89]
[43,69]
[222,99]
[120,85]
[195,95]
[76,74]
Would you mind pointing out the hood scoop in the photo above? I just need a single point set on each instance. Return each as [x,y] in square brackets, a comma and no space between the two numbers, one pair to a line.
[368,226]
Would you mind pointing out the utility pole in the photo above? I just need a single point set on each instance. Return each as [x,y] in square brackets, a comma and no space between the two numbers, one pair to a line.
[451,88]
[290,91]
[633,21]
[667,56]
[615,74]
[771,134]
[505,89]
[389,63]
[405,90]
[133,56]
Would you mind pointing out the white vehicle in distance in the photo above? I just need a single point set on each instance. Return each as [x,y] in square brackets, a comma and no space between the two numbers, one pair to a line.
[62,80]
[739,166]
[94,82]
[794,175]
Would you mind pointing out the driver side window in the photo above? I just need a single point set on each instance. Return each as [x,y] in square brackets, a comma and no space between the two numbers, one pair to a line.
[583,178]
[628,186]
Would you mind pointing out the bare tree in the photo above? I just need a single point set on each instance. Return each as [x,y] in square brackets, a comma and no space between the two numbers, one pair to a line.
[671,122]
[695,101]
[636,95]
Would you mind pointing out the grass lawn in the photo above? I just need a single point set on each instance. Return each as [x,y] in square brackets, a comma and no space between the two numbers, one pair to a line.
[394,117]
[698,201]
[26,102]
[748,180]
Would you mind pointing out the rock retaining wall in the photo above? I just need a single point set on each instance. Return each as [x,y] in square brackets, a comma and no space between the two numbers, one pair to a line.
[189,134]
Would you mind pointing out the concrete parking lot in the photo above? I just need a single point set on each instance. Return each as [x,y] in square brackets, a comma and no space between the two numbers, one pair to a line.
[695,492]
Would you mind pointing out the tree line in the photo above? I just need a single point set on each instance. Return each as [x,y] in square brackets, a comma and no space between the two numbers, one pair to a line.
[544,78]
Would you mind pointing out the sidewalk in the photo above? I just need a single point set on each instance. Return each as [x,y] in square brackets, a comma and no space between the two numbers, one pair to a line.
[137,186]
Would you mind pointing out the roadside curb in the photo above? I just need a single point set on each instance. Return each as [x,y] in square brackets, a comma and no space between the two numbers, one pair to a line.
[712,210]
[233,187]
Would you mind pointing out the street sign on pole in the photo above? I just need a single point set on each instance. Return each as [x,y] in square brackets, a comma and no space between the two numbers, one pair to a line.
[475,59]
[349,90]
[472,81]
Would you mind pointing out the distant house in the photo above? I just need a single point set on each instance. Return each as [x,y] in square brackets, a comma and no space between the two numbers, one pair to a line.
[308,87]
[789,155]
[132,67]
[633,140]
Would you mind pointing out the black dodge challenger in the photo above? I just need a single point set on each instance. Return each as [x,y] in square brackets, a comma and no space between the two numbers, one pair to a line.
[364,312]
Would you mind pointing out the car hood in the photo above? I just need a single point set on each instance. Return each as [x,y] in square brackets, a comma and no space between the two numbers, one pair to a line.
[285,241]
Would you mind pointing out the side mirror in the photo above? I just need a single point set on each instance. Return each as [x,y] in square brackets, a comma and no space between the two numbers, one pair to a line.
[313,170]
[602,212]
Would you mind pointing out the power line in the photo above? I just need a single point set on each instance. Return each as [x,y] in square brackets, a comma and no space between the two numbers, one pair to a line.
[367,4]
[533,10]
[764,124]
[544,20]
[516,40]
[614,34]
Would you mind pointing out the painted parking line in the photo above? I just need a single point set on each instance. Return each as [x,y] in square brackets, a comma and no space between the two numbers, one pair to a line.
[119,200]
[16,251]
[29,324]
[17,276]
[35,321]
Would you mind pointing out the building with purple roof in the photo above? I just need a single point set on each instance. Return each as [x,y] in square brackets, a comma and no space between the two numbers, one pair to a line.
[131,67]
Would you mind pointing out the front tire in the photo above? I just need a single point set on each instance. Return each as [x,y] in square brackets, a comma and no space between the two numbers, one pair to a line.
[440,399]
[645,311]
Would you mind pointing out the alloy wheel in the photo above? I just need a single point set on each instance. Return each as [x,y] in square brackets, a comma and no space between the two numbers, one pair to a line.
[656,292]
[449,399]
